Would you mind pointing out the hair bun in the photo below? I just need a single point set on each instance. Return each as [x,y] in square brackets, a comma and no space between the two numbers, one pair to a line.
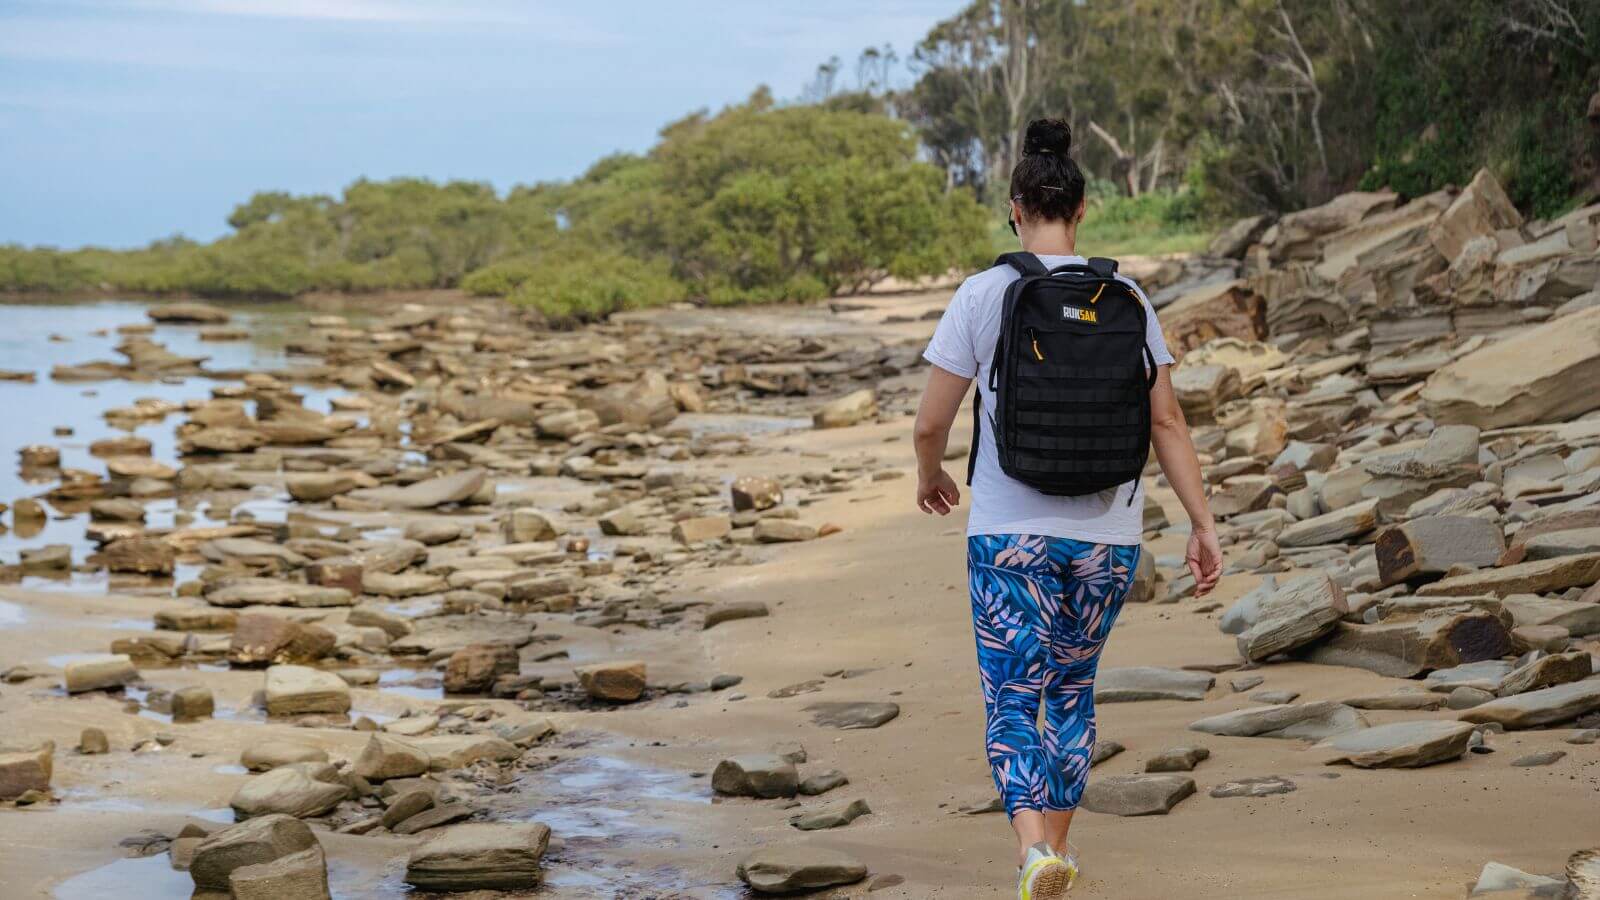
[1048,136]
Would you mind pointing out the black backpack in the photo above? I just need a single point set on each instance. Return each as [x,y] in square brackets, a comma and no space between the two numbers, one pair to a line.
[1070,380]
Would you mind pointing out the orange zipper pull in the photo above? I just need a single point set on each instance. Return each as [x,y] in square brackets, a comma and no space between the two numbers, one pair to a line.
[1096,298]
[1035,337]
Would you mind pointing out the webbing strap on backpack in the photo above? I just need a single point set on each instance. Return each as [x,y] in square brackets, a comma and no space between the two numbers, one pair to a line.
[977,424]
[1024,262]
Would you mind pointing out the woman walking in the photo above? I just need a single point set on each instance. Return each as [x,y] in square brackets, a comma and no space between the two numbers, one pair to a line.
[1052,539]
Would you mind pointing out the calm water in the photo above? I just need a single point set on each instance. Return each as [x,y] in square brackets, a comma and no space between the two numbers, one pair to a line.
[35,337]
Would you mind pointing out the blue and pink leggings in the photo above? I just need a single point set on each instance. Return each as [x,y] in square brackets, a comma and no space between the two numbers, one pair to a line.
[1042,608]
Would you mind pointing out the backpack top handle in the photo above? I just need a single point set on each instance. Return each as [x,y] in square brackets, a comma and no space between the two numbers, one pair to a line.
[1028,264]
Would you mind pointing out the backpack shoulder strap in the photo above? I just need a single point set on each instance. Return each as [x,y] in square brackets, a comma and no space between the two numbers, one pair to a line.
[1103,266]
[1024,262]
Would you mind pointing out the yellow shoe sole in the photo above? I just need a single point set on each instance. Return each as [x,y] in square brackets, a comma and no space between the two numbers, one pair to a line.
[1052,883]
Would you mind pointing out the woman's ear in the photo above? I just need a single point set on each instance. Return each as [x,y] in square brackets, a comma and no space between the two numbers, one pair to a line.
[1083,207]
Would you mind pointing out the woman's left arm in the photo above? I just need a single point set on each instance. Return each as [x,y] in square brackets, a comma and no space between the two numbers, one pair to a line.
[936,490]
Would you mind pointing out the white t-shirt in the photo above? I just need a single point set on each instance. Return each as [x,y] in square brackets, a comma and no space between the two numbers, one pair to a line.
[963,345]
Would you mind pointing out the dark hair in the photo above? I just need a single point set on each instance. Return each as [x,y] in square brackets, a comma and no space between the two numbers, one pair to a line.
[1046,181]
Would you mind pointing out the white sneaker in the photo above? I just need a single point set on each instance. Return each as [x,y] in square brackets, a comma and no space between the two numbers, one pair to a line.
[1045,875]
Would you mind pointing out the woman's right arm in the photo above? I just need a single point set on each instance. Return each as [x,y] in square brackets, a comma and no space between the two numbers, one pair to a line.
[1169,433]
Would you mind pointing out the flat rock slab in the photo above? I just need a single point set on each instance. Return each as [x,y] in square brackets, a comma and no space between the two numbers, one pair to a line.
[835,815]
[1313,721]
[1296,614]
[1398,745]
[287,791]
[1335,527]
[1257,786]
[1410,701]
[1542,374]
[480,857]
[1547,706]
[798,868]
[1542,576]
[269,592]
[1138,683]
[756,775]
[1485,675]
[424,494]
[864,714]
[1541,758]
[1137,795]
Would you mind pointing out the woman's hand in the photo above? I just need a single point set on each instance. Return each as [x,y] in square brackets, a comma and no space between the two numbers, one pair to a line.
[1205,559]
[937,493]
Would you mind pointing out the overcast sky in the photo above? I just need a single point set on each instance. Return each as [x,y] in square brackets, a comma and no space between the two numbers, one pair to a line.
[122,121]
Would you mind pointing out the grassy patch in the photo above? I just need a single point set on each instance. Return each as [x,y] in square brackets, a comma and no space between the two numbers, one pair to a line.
[1150,225]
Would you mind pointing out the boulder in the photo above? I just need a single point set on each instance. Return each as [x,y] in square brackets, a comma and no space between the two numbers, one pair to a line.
[286,790]
[98,673]
[1575,616]
[318,487]
[1544,576]
[567,424]
[249,843]
[752,493]
[26,770]
[1316,721]
[1542,374]
[385,757]
[1298,613]
[524,525]
[496,856]
[1412,645]
[1232,242]
[1547,671]
[474,668]
[431,532]
[798,868]
[1177,759]
[1136,795]
[1430,546]
[1201,389]
[847,410]
[425,494]
[1480,210]
[835,815]
[298,876]
[1216,309]
[1339,526]
[116,510]
[237,592]
[701,528]
[1571,542]
[622,681]
[1534,709]
[136,556]
[260,639]
[756,775]
[193,703]
[1138,683]
[1398,745]
[260,756]
[92,741]
[299,690]
[404,806]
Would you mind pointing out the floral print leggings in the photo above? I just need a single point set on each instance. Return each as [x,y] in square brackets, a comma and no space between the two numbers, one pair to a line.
[1042,608]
